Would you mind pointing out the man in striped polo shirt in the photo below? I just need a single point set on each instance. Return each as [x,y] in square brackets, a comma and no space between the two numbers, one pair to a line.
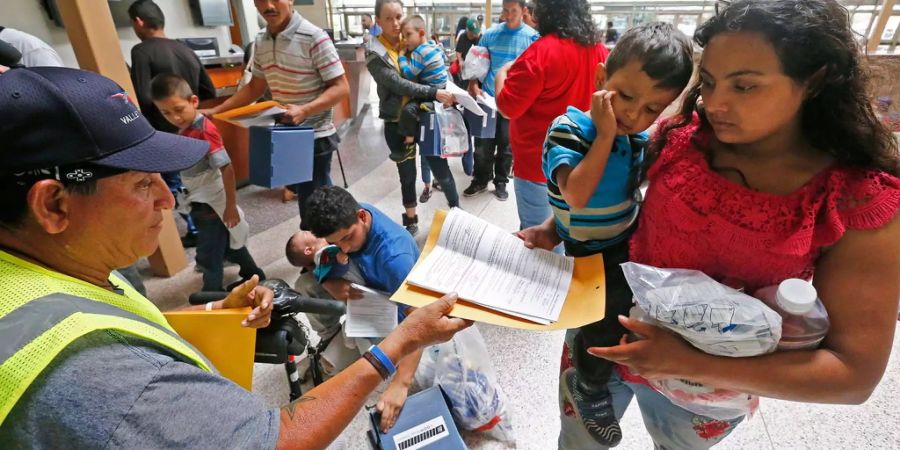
[299,64]
[504,42]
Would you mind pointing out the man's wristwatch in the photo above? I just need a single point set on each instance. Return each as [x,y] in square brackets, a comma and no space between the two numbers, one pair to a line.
[380,361]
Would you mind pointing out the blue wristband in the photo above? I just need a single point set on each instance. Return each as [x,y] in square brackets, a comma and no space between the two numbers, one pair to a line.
[383,359]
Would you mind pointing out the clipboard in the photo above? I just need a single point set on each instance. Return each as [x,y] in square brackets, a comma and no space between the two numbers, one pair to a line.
[585,302]
[220,337]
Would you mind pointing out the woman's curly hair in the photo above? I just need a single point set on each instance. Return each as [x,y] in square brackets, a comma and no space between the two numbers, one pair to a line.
[811,38]
[569,19]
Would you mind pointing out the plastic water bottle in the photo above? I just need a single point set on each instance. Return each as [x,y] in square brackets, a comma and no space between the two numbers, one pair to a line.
[805,321]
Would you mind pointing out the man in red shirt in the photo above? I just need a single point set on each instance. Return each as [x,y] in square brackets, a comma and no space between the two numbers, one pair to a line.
[552,74]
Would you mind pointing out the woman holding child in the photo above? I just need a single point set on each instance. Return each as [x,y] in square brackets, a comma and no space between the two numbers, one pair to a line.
[781,171]
[382,61]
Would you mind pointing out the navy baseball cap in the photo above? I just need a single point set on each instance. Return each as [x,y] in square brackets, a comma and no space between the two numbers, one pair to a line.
[57,116]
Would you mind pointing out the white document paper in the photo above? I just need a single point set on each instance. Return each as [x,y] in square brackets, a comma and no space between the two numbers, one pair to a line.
[263,118]
[371,316]
[464,99]
[487,265]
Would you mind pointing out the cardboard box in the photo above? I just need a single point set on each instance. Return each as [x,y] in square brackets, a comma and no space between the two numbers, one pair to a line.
[281,156]
[424,423]
[482,126]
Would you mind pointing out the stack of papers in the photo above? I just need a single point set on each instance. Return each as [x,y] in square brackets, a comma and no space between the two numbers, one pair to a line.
[488,266]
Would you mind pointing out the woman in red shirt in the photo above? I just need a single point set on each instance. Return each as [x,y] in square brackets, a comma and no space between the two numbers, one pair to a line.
[785,172]
[556,71]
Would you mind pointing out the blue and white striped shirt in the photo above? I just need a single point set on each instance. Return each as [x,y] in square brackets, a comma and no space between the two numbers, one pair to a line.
[427,64]
[613,207]
[504,45]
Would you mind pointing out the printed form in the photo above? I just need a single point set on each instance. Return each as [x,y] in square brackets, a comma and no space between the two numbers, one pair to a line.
[371,316]
[487,265]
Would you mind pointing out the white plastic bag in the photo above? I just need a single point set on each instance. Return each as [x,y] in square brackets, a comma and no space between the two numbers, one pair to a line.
[714,318]
[477,64]
[463,369]
[454,134]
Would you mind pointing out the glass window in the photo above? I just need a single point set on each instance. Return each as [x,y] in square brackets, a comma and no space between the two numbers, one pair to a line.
[861,22]
[890,28]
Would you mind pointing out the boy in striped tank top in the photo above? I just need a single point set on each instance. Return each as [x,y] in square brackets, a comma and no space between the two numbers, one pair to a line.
[592,162]
[424,63]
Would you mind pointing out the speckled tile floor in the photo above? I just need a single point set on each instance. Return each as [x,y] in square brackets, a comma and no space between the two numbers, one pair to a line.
[526,362]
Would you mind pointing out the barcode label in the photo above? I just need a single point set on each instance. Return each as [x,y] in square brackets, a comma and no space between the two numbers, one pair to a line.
[422,434]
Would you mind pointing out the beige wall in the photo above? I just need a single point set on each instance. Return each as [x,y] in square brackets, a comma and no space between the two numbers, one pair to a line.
[317,13]
[28,16]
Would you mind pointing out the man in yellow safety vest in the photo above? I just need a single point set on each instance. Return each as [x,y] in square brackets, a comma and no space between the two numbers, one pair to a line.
[85,360]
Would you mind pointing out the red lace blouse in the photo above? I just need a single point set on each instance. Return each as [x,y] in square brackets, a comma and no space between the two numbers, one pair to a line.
[693,218]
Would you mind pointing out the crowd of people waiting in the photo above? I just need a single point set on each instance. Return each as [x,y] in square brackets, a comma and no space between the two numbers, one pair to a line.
[773,167]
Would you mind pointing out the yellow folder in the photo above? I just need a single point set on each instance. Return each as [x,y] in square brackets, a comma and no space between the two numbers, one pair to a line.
[585,303]
[221,338]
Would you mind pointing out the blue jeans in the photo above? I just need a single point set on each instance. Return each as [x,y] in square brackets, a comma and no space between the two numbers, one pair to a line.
[467,159]
[671,427]
[213,249]
[426,170]
[531,202]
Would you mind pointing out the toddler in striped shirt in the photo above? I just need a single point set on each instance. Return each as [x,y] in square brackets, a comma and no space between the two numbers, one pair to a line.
[424,63]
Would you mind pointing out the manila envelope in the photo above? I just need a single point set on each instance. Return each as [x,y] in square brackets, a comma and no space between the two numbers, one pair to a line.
[219,335]
[585,303]
[244,111]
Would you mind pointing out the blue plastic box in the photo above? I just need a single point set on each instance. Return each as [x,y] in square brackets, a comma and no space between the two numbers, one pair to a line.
[281,156]
[425,422]
[482,126]
[429,135]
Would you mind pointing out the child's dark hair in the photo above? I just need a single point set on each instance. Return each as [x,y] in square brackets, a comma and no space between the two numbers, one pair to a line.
[666,54]
[812,38]
[328,209]
[149,12]
[166,85]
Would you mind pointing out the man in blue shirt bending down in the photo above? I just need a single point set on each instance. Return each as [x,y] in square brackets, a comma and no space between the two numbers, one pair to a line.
[382,250]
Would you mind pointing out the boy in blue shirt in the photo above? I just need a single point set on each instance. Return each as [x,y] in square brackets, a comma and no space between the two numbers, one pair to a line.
[592,162]
[382,251]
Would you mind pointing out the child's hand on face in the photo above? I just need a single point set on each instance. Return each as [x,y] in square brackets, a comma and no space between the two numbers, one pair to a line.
[602,113]
[342,258]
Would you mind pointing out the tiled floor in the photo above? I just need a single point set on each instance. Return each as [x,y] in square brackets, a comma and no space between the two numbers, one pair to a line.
[527,362]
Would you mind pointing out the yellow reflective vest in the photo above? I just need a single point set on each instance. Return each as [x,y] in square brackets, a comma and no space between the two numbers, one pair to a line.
[42,312]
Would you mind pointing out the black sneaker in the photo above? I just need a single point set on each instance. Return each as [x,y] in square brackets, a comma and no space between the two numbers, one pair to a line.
[593,409]
[474,189]
[411,224]
[500,192]
[426,194]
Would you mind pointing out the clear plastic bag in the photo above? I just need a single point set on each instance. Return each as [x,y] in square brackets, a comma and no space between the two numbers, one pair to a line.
[477,64]
[454,134]
[714,318]
[463,369]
